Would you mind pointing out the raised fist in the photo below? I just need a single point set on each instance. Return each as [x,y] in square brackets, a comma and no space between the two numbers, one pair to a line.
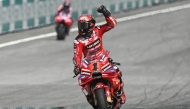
[102,9]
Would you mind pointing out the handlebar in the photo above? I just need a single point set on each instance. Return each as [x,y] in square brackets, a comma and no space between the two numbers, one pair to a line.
[110,60]
[75,75]
[116,63]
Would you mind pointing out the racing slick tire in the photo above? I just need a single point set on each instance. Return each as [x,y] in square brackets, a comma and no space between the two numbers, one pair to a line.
[61,32]
[101,99]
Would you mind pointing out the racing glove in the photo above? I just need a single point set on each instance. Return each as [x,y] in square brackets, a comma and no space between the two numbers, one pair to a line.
[76,70]
[102,9]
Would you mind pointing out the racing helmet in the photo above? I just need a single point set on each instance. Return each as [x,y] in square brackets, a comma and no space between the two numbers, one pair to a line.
[86,24]
[66,5]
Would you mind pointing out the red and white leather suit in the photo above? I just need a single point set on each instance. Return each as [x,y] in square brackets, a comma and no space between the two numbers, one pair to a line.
[93,43]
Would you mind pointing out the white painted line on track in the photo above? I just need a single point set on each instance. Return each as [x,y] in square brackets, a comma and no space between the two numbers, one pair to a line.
[171,9]
[70,83]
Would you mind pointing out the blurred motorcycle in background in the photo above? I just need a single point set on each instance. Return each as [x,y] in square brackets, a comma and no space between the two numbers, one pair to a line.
[62,25]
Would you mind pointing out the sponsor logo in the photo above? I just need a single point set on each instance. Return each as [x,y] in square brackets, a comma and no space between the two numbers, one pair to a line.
[81,77]
[85,73]
[94,51]
[93,44]
[97,77]
[115,67]
[83,18]
[102,58]
[86,62]
[84,65]
[111,70]
[105,65]
[98,86]
[106,68]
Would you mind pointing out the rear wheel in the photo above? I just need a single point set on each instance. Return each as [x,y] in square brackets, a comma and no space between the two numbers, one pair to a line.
[101,99]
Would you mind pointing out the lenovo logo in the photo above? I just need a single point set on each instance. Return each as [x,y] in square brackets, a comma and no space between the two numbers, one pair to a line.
[93,44]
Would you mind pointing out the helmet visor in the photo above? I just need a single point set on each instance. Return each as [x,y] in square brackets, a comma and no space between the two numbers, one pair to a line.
[83,25]
[66,7]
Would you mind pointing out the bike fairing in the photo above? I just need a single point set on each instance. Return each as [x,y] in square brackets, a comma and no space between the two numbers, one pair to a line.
[87,75]
[63,25]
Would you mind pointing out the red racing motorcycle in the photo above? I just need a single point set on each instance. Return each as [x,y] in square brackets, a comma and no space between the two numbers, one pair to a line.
[62,25]
[99,81]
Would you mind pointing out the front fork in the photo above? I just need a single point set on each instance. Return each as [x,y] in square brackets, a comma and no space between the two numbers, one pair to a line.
[100,85]
[87,92]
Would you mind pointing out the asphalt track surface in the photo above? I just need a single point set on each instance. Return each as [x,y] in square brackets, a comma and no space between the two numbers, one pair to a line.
[154,53]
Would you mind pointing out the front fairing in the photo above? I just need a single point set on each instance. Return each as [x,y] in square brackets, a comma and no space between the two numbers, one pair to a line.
[102,65]
[99,64]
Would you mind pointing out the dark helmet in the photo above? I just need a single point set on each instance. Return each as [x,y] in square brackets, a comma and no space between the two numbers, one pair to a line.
[86,24]
[66,5]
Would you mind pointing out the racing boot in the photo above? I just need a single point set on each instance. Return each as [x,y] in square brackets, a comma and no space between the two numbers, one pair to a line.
[67,30]
[121,94]
[123,97]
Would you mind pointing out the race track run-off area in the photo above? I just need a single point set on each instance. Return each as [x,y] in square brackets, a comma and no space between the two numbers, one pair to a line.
[154,52]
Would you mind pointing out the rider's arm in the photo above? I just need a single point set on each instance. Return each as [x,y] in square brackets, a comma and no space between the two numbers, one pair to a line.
[69,15]
[111,21]
[77,53]
[60,8]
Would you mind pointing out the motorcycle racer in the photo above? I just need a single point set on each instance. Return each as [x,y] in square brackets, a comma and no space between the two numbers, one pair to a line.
[89,39]
[67,10]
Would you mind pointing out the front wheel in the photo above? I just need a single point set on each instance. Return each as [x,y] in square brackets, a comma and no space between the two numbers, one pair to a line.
[60,32]
[101,99]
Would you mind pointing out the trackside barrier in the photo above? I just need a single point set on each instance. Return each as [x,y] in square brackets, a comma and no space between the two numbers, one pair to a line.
[17,15]
[32,107]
